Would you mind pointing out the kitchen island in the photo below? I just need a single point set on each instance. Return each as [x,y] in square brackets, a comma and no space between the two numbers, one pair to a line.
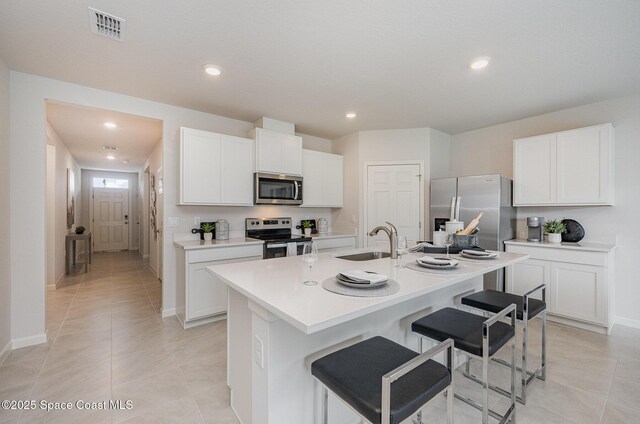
[277,326]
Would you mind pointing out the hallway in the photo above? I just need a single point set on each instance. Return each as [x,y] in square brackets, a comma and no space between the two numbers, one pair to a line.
[107,340]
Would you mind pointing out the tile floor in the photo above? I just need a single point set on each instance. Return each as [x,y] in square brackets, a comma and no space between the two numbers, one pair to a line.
[107,340]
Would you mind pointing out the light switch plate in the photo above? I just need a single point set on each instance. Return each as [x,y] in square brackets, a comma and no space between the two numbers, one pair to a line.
[258,351]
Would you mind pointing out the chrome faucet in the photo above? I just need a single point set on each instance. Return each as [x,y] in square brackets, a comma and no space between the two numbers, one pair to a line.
[393,237]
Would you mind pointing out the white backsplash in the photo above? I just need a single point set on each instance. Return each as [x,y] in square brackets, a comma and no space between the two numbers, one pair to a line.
[236,217]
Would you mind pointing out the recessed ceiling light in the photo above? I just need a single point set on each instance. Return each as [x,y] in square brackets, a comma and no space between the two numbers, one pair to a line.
[212,70]
[350,115]
[126,161]
[110,125]
[111,157]
[479,63]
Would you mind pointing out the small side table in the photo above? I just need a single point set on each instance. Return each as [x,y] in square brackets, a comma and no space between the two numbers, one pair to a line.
[70,250]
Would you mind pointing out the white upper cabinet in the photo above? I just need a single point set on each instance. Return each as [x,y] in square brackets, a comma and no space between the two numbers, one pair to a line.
[534,177]
[215,169]
[321,179]
[277,153]
[573,167]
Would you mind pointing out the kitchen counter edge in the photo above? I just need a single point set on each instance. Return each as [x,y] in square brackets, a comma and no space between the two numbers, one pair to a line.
[216,244]
[593,247]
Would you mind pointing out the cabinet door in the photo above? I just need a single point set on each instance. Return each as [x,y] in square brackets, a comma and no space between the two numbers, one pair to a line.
[332,181]
[311,178]
[269,151]
[534,170]
[236,171]
[579,291]
[199,167]
[583,166]
[205,295]
[528,275]
[291,154]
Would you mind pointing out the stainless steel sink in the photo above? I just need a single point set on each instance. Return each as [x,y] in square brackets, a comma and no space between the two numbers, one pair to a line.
[365,256]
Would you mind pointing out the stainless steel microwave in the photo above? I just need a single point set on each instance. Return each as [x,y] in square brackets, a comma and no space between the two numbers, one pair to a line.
[277,189]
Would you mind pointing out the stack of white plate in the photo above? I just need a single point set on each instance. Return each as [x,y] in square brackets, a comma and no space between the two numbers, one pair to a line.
[437,263]
[477,254]
[361,279]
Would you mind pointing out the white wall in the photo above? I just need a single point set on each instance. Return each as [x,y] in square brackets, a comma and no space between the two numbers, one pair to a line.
[347,218]
[27,102]
[63,161]
[154,162]
[5,246]
[490,150]
[385,145]
[440,154]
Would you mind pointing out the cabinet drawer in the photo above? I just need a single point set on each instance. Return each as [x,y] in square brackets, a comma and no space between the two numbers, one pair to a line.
[222,253]
[561,255]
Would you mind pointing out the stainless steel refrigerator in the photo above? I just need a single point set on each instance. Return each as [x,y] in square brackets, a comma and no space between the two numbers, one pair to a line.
[463,198]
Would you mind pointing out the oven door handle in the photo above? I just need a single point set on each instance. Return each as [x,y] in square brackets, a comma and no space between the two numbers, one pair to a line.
[295,196]
[276,245]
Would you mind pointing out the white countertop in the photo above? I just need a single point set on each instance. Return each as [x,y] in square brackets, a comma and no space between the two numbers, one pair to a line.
[586,246]
[276,284]
[201,244]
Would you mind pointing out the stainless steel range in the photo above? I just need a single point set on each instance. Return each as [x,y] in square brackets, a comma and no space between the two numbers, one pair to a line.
[277,237]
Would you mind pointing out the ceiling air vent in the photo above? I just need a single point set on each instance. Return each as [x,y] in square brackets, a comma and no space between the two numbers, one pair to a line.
[106,25]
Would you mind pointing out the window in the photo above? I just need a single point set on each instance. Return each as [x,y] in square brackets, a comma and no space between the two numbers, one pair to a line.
[110,183]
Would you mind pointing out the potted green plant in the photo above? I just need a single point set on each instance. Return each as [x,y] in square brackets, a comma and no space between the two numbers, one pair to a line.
[80,229]
[306,225]
[208,231]
[554,230]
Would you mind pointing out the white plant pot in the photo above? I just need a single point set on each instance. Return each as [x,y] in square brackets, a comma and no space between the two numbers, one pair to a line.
[307,231]
[554,237]
[208,236]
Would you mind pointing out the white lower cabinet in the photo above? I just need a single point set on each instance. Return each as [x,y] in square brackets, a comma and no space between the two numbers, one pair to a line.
[579,291]
[580,284]
[200,297]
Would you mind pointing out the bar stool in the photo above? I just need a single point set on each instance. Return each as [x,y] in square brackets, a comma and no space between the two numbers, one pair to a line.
[480,338]
[361,376]
[493,301]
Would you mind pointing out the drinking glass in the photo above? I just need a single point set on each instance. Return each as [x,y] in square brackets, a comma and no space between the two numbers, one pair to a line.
[448,241]
[401,248]
[309,256]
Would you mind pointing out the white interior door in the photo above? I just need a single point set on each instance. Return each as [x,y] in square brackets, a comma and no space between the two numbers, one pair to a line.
[393,195]
[110,219]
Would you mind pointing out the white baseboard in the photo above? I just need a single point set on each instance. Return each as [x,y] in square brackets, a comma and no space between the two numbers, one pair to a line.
[28,341]
[5,352]
[59,280]
[168,312]
[628,322]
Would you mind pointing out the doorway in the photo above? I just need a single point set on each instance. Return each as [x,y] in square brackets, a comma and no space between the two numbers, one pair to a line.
[110,219]
[393,193]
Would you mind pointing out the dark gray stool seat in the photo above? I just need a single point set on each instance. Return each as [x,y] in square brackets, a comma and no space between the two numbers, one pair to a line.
[464,328]
[355,374]
[495,301]
[478,337]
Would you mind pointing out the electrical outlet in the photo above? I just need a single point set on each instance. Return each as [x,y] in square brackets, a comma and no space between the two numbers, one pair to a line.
[258,350]
[353,219]
[196,221]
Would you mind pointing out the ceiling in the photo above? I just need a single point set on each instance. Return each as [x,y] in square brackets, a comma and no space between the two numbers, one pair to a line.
[83,132]
[397,64]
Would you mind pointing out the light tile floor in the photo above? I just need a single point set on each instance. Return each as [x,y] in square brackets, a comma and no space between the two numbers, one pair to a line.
[107,340]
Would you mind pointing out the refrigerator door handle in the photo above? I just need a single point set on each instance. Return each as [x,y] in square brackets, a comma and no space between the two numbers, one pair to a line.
[452,216]
[458,201]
